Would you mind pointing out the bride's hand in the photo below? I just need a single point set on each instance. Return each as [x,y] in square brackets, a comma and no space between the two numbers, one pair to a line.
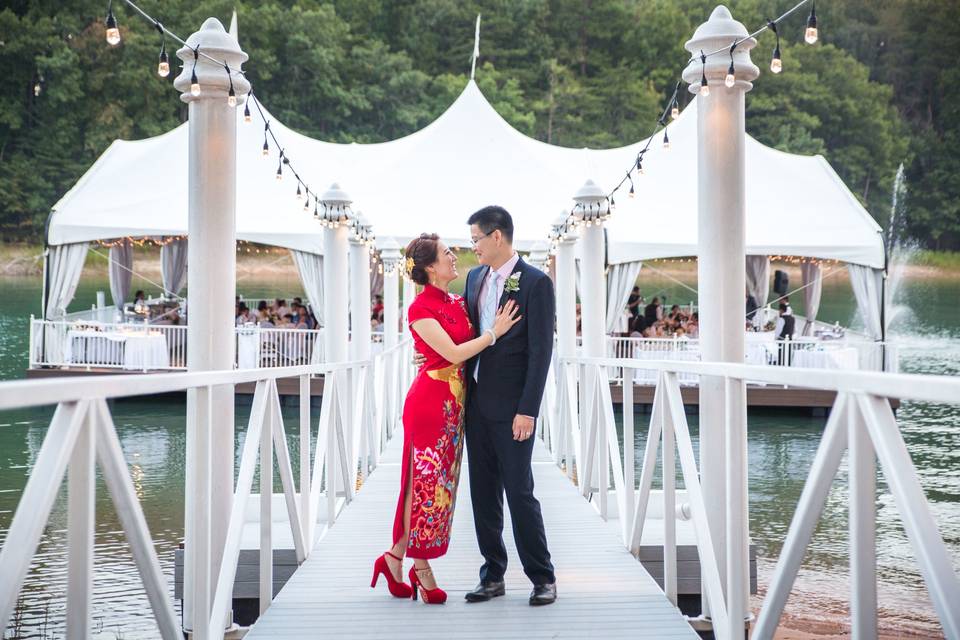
[506,318]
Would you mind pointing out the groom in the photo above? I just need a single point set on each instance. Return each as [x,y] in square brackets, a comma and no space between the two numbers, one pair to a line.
[504,391]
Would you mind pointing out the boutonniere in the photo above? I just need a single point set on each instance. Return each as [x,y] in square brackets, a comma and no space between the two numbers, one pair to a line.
[513,282]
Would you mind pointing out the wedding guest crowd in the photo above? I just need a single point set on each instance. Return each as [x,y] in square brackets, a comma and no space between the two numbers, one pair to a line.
[278,313]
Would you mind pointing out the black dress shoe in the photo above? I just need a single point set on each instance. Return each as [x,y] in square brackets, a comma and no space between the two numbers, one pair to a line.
[485,591]
[543,594]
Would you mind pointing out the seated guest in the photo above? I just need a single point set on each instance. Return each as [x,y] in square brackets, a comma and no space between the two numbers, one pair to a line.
[676,315]
[637,325]
[244,316]
[377,309]
[280,308]
[693,325]
[634,302]
[138,296]
[789,322]
[263,312]
[653,311]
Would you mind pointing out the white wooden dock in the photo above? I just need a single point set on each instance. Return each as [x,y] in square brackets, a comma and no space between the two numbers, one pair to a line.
[603,590]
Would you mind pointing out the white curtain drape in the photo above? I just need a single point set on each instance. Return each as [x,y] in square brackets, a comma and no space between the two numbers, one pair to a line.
[758,282]
[812,289]
[64,264]
[173,265]
[620,281]
[121,272]
[867,285]
[310,267]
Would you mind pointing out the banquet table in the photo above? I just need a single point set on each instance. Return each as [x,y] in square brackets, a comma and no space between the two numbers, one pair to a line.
[134,349]
[831,358]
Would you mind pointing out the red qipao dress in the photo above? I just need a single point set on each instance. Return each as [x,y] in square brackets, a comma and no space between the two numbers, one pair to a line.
[433,429]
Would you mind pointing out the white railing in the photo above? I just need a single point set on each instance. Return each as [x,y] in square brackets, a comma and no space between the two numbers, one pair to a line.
[90,344]
[860,355]
[357,417]
[581,433]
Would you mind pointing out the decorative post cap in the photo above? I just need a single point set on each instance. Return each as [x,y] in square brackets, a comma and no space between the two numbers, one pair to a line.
[335,207]
[539,254]
[720,32]
[389,251]
[210,77]
[591,203]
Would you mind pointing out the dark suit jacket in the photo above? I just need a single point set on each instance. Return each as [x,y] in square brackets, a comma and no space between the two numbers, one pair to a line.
[513,372]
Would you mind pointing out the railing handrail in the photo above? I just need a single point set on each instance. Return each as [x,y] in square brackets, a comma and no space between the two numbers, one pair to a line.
[21,394]
[912,386]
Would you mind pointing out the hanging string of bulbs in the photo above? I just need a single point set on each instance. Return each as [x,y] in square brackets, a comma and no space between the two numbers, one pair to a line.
[332,215]
[581,216]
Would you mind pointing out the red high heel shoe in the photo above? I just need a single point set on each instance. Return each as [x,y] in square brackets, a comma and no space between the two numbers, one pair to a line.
[429,596]
[398,588]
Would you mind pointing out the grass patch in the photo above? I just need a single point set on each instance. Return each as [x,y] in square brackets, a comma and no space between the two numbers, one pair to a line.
[946,260]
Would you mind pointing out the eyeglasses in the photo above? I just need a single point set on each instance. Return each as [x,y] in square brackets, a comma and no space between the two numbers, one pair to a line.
[476,241]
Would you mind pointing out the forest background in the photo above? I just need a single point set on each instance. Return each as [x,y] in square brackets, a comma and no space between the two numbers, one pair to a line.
[880,88]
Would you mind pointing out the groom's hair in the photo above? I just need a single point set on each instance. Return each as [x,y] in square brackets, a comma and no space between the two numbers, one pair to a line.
[491,218]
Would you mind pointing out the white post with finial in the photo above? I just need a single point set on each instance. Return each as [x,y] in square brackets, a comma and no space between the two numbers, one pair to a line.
[392,261]
[539,256]
[566,287]
[360,332]
[591,208]
[212,180]
[721,282]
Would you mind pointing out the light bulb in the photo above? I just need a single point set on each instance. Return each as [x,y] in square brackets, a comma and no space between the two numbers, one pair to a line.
[810,35]
[163,67]
[666,140]
[246,111]
[776,64]
[731,78]
[113,30]
[266,148]
[704,87]
[631,191]
[194,84]
[36,89]
[299,193]
[675,111]
[280,172]
[306,204]
[232,98]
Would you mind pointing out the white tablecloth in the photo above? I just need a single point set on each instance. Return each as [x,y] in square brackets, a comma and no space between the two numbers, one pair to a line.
[146,351]
[248,348]
[843,358]
[649,376]
[135,350]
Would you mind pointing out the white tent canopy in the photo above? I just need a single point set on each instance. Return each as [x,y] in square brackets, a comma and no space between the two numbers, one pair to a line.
[795,205]
[467,158]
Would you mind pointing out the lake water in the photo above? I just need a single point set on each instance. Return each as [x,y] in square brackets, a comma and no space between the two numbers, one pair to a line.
[781,447]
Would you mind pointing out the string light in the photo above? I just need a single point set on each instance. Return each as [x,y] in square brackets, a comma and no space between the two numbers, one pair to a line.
[631,187]
[704,87]
[113,29]
[280,168]
[163,67]
[731,78]
[672,105]
[194,83]
[810,35]
[776,63]
[246,108]
[299,193]
[231,94]
[266,145]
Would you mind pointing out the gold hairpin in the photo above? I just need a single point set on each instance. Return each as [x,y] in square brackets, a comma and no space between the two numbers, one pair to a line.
[409,266]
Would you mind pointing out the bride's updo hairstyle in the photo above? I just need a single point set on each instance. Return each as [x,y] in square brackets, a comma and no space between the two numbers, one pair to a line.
[420,254]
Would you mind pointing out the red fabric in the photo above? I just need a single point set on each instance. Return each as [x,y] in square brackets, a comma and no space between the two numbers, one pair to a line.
[433,429]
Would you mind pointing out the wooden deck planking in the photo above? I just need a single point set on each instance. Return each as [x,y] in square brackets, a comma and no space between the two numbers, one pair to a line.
[603,590]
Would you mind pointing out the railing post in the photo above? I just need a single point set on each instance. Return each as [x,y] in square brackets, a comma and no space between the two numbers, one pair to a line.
[668,457]
[306,508]
[738,523]
[81,517]
[212,176]
[863,514]
[266,503]
[721,268]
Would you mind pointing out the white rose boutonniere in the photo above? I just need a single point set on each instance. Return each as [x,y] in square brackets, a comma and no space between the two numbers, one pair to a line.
[513,282]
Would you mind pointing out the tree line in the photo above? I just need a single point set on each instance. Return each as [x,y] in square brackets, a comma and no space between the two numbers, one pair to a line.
[879,89]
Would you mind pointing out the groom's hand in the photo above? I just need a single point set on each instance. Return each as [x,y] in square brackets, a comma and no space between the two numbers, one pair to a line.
[418,360]
[522,427]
